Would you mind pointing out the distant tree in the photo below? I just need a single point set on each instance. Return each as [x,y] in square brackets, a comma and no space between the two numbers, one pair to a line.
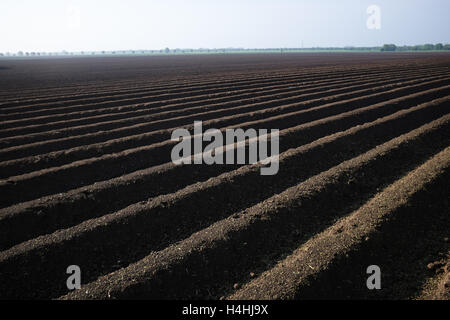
[439,46]
[167,50]
[447,47]
[389,47]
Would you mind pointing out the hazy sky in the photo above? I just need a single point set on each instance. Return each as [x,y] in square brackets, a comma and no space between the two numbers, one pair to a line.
[75,25]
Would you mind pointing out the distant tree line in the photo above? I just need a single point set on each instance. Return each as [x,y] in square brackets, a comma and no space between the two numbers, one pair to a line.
[384,48]
[423,47]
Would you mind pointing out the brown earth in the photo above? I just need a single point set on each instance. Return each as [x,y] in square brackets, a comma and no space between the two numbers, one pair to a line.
[86,177]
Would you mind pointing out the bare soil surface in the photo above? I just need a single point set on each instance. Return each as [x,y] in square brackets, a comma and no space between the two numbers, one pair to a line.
[86,177]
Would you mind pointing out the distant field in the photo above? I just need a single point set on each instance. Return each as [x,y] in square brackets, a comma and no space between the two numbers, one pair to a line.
[86,176]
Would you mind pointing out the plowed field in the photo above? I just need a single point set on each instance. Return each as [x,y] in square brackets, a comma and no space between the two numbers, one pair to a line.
[86,176]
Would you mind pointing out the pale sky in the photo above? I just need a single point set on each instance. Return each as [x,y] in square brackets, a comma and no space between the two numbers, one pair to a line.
[76,25]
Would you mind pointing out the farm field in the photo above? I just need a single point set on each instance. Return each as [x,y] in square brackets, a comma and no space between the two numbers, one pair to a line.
[86,177]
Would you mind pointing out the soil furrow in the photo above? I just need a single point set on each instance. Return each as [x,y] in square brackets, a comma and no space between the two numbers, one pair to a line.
[90,138]
[134,117]
[41,183]
[257,237]
[137,225]
[281,83]
[51,213]
[332,265]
